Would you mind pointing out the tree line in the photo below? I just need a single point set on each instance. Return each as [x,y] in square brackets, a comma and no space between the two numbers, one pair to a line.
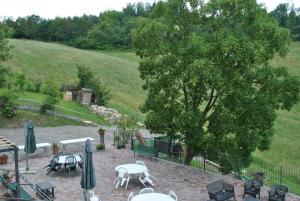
[113,29]
[110,30]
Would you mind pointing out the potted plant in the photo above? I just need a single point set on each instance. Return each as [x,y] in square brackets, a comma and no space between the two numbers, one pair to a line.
[118,138]
[3,159]
[6,178]
[55,148]
[101,132]
[100,147]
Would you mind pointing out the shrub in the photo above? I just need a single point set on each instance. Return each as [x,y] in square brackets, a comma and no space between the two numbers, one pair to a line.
[102,94]
[8,103]
[4,71]
[21,80]
[52,96]
[33,86]
[100,147]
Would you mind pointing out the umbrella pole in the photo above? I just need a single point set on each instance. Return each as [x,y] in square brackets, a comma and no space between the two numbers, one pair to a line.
[84,180]
[27,166]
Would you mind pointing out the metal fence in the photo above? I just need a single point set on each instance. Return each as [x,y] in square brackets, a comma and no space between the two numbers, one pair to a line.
[272,173]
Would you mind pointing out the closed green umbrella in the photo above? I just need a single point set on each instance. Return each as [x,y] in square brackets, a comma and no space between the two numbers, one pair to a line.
[30,144]
[88,179]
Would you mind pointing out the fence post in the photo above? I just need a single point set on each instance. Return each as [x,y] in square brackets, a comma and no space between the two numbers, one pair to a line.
[280,175]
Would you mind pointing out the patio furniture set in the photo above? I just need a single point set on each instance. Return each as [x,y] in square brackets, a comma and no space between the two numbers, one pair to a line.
[140,172]
[69,161]
[221,190]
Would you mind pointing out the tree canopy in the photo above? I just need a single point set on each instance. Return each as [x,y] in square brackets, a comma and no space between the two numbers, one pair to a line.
[207,73]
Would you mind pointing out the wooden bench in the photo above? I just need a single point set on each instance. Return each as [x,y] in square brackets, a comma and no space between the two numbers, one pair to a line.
[73,141]
[145,150]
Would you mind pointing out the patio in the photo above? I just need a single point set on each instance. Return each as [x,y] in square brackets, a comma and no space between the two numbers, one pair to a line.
[188,183]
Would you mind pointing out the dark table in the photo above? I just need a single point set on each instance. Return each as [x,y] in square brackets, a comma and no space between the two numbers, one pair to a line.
[251,199]
[45,187]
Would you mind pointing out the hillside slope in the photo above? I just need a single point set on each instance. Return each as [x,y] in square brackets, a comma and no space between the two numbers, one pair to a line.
[119,71]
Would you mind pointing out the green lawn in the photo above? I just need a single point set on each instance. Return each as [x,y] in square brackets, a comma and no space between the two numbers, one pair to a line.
[119,71]
[63,107]
[39,120]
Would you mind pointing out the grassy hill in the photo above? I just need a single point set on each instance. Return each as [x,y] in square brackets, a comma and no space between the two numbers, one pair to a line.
[119,71]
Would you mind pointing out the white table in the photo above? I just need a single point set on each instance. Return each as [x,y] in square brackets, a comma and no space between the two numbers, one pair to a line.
[152,197]
[62,159]
[133,169]
[73,141]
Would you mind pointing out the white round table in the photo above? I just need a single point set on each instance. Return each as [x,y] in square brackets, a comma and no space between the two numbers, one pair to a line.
[62,159]
[133,168]
[152,197]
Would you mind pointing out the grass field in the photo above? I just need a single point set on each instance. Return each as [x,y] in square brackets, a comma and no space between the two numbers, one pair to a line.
[39,120]
[119,71]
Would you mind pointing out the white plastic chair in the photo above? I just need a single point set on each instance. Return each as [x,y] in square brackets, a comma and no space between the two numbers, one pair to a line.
[149,175]
[122,177]
[140,163]
[147,190]
[145,179]
[173,195]
[130,196]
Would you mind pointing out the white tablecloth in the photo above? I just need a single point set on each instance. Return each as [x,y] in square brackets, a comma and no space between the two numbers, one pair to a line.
[152,197]
[62,159]
[133,168]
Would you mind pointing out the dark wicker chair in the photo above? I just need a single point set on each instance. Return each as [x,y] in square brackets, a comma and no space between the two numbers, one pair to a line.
[70,164]
[220,191]
[252,187]
[53,165]
[278,192]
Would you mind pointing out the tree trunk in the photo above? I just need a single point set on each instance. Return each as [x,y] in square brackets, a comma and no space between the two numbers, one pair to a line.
[189,155]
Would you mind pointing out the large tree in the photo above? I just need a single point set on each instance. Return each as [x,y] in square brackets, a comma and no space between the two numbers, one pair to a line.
[206,69]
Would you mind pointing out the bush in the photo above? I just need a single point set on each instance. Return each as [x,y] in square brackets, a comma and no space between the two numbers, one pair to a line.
[100,147]
[33,86]
[51,90]
[8,104]
[21,80]
[48,104]
[102,94]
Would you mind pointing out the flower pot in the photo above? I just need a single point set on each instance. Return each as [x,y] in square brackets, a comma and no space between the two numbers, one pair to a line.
[3,159]
[55,150]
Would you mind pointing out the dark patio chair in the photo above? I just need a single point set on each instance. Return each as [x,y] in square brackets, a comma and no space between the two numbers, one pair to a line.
[70,164]
[80,163]
[220,191]
[53,165]
[278,192]
[252,187]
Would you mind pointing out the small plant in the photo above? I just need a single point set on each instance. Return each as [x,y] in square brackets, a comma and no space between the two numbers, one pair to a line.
[3,159]
[6,178]
[100,147]
[55,148]
[101,131]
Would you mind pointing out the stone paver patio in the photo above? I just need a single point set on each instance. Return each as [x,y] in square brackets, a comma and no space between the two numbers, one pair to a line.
[188,183]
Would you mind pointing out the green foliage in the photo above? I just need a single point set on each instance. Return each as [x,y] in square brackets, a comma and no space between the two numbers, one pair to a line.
[21,80]
[100,147]
[8,103]
[3,75]
[33,86]
[125,129]
[84,75]
[87,79]
[287,17]
[52,96]
[206,68]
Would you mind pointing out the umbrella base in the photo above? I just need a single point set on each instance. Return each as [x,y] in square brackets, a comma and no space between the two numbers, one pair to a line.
[28,171]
